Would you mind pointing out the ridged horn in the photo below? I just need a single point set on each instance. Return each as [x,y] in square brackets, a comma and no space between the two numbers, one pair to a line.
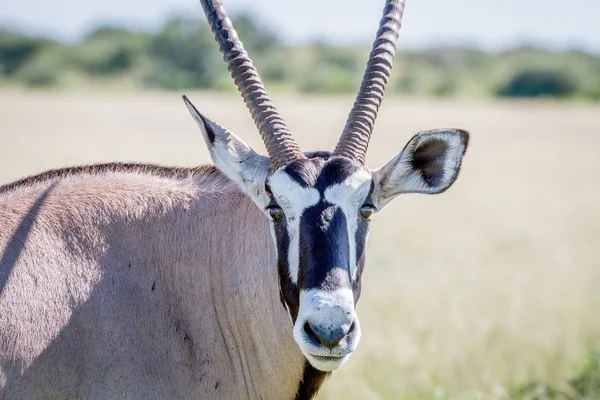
[355,138]
[281,146]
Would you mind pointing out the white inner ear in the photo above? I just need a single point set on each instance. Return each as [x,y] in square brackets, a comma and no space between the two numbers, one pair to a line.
[399,176]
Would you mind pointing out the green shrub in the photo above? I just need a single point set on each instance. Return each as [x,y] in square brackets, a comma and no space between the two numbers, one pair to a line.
[17,49]
[257,39]
[110,51]
[586,382]
[446,88]
[583,385]
[44,69]
[538,83]
[331,70]
[184,56]
[329,79]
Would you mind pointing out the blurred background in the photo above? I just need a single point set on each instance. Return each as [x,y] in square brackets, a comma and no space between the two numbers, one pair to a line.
[465,48]
[489,291]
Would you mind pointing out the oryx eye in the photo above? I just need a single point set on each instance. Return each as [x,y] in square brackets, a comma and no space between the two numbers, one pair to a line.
[366,211]
[275,212]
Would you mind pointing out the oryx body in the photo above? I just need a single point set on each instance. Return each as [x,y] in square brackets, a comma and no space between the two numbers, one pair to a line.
[131,282]
[238,281]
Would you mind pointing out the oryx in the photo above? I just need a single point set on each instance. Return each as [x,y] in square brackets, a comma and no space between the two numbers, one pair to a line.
[239,281]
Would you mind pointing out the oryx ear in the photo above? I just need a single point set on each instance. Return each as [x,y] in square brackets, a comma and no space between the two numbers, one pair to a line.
[233,156]
[428,164]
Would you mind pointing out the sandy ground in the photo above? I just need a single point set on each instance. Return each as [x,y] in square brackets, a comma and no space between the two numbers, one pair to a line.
[466,293]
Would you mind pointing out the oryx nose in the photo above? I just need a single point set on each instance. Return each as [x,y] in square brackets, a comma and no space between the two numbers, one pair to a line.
[328,336]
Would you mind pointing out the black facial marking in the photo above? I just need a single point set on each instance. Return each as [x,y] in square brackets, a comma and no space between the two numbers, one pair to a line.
[360,238]
[324,155]
[324,253]
[288,292]
[304,172]
[312,379]
[324,247]
[429,159]
[369,199]
[337,170]
[268,189]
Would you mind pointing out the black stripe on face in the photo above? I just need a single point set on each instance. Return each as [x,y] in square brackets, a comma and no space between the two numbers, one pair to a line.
[324,248]
[312,380]
[288,292]
[304,171]
[335,171]
[324,253]
[360,238]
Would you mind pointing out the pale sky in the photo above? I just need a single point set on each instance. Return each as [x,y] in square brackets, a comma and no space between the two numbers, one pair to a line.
[490,24]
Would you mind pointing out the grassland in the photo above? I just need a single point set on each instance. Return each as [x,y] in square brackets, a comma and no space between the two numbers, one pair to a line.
[467,294]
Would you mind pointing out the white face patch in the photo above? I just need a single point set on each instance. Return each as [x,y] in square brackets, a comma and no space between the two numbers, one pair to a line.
[327,310]
[293,199]
[349,196]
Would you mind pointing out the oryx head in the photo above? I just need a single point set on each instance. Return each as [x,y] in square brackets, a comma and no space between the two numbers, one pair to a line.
[319,204]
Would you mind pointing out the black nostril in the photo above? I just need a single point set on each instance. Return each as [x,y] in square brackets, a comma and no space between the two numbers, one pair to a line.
[311,335]
[325,337]
[307,329]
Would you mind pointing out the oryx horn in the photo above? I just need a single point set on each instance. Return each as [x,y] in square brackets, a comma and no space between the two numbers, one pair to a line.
[355,138]
[280,144]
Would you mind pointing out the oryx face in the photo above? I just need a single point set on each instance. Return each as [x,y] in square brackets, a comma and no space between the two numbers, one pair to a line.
[319,210]
[319,204]
[319,207]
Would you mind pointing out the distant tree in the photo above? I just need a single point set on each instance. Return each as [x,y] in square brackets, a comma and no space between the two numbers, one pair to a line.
[329,79]
[184,55]
[332,69]
[406,84]
[109,50]
[345,58]
[44,69]
[17,49]
[594,92]
[257,38]
[446,88]
[538,83]
[265,47]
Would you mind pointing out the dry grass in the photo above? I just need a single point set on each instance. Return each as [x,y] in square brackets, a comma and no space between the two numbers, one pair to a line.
[465,294]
